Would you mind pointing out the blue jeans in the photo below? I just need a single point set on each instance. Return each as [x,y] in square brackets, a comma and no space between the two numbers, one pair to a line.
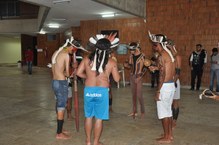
[214,73]
[29,67]
[60,88]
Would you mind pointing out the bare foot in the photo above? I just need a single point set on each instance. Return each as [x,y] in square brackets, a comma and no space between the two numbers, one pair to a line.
[65,132]
[162,136]
[99,143]
[132,114]
[62,136]
[88,143]
[163,140]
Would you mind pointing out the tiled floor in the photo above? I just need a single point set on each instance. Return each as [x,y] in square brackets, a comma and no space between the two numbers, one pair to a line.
[28,117]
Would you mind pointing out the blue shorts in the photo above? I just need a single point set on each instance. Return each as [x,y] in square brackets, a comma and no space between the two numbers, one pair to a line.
[60,88]
[96,102]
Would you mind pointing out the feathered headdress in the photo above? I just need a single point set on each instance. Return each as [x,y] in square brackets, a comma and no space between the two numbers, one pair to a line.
[162,39]
[133,45]
[103,44]
[71,41]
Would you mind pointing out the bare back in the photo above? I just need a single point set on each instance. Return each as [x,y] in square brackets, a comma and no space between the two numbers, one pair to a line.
[61,68]
[102,80]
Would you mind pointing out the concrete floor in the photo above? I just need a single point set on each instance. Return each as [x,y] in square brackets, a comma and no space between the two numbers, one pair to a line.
[28,117]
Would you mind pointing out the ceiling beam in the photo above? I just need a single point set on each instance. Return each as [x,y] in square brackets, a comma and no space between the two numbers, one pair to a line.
[43,12]
[134,7]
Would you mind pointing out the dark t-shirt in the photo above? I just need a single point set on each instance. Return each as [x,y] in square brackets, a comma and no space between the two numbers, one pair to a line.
[198,59]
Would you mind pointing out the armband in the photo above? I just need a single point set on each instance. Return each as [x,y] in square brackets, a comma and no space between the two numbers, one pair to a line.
[178,71]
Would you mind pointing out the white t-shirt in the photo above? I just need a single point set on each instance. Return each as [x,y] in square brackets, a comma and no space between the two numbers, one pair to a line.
[215,58]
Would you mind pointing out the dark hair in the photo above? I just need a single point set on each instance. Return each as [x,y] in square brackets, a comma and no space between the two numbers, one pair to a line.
[214,50]
[198,45]
[101,45]
[161,35]
[135,45]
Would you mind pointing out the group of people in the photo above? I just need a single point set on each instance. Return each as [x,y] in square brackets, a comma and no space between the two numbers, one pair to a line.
[96,69]
[198,60]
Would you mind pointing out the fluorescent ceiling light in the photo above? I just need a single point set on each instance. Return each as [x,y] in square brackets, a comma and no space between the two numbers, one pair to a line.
[42,32]
[108,15]
[60,1]
[53,26]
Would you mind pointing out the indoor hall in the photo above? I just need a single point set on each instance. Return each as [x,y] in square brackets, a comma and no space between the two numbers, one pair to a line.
[28,115]
[28,106]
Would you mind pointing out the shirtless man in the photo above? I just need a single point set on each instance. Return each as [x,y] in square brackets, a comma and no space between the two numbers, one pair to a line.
[96,69]
[176,97]
[60,70]
[166,87]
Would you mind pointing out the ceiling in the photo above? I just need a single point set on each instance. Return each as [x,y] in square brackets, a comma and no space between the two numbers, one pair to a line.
[67,14]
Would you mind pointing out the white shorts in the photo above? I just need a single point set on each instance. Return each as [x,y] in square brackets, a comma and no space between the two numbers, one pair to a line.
[69,92]
[166,98]
[177,92]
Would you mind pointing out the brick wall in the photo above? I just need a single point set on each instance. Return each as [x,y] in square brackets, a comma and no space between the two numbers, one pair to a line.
[129,30]
[187,22]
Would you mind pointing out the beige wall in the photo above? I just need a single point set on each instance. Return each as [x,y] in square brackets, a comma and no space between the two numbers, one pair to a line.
[10,50]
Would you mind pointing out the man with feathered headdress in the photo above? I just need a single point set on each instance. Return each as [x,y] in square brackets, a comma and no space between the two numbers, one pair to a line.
[166,87]
[136,64]
[96,69]
[60,70]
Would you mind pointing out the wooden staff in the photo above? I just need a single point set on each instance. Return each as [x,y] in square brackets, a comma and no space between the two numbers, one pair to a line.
[76,101]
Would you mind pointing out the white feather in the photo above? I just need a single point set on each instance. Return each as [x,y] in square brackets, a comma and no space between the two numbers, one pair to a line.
[174,48]
[92,40]
[116,40]
[49,65]
[71,39]
[112,46]
[168,51]
[100,36]
[149,33]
